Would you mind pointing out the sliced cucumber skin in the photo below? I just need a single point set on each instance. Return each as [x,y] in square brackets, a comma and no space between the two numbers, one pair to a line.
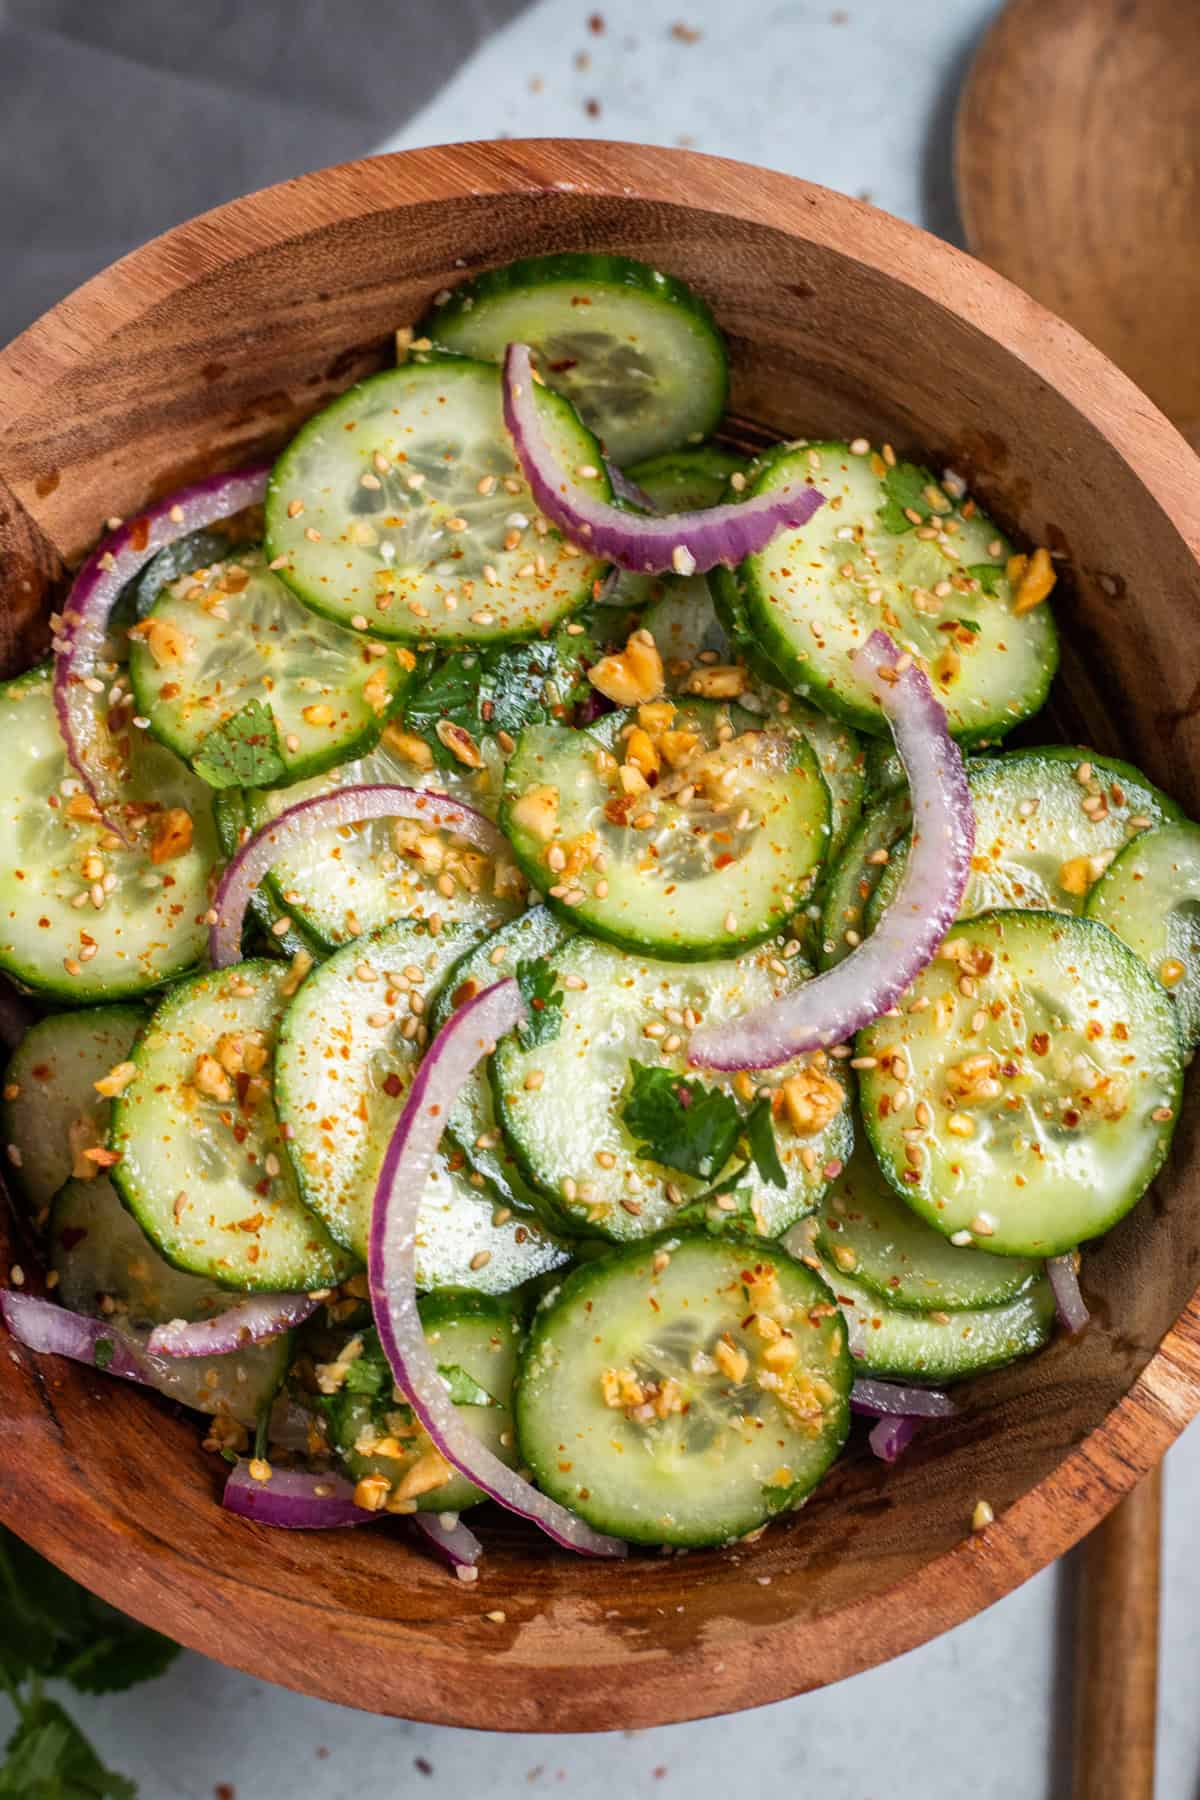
[41,855]
[53,1070]
[348,670]
[900,1258]
[910,1346]
[152,1113]
[1150,896]
[480,319]
[259,936]
[341,1116]
[482,1335]
[556,1129]
[762,891]
[845,905]
[1017,862]
[582,1328]
[1057,1207]
[729,604]
[533,934]
[820,671]
[96,1248]
[337,578]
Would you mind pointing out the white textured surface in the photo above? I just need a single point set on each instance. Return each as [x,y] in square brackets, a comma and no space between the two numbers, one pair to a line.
[861,102]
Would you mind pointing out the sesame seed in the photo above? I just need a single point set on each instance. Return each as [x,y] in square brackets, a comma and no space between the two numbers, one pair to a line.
[859,446]
[480,1260]
[682,560]
[456,523]
[731,922]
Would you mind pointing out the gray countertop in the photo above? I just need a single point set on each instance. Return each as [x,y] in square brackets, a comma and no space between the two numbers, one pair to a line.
[861,98]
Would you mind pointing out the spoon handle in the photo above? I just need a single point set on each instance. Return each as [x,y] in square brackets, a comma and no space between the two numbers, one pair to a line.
[1116,1651]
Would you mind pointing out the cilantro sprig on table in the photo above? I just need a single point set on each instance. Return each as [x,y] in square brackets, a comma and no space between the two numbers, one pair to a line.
[52,1630]
[697,1129]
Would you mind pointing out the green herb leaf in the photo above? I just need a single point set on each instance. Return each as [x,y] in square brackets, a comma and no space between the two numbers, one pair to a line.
[243,752]
[988,575]
[50,1759]
[502,689]
[104,1352]
[539,990]
[464,1389]
[905,486]
[119,1659]
[971,625]
[681,1123]
[760,1136]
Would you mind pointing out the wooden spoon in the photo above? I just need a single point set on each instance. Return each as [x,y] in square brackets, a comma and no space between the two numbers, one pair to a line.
[1078,175]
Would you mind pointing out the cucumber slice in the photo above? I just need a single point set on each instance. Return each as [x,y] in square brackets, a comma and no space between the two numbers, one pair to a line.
[107,1268]
[231,636]
[1026,1095]
[729,604]
[942,1346]
[343,882]
[343,1069]
[561,1102]
[473,1127]
[685,1391]
[883,768]
[717,856]
[57,859]
[52,1112]
[991,671]
[856,875]
[410,484]
[680,481]
[202,1165]
[863,1229]
[1150,896]
[1047,824]
[638,353]
[475,1339]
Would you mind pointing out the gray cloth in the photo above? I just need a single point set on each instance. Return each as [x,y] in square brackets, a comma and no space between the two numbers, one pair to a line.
[119,118]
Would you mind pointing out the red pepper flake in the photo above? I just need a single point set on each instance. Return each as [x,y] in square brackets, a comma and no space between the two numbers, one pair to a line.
[139,536]
[592,108]
[393,1087]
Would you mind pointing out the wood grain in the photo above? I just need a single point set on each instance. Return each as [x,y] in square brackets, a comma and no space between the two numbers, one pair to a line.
[1078,167]
[1116,1694]
[217,339]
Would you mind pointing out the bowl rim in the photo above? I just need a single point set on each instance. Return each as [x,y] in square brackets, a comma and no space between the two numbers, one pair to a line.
[1093,1474]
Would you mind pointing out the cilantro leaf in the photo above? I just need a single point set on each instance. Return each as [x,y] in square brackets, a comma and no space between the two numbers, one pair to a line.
[119,1659]
[464,1389]
[50,1759]
[104,1352]
[760,1136]
[971,625]
[243,752]
[538,984]
[989,575]
[681,1123]
[905,484]
[505,689]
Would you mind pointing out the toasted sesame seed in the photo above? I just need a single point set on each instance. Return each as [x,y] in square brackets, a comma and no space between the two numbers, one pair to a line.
[731,923]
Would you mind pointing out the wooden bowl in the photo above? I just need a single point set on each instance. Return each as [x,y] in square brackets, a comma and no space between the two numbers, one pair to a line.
[210,345]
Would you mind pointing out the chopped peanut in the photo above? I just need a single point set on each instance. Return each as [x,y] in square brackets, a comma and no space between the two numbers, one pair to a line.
[677,746]
[537,812]
[723,681]
[317,714]
[408,746]
[1075,876]
[82,1137]
[634,675]
[172,835]
[116,1081]
[229,1051]
[459,742]
[165,641]
[640,752]
[211,1079]
[810,1100]
[372,1492]
[731,1361]
[656,716]
[428,1472]
[82,808]
[376,691]
[632,780]
[1035,582]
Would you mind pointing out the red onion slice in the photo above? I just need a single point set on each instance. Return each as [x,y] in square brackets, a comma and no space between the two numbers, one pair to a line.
[891,1399]
[467,1036]
[627,490]
[343,806]
[251,1321]
[294,1500]
[115,561]
[41,1325]
[831,1008]
[891,1437]
[656,544]
[456,1544]
[1073,1312]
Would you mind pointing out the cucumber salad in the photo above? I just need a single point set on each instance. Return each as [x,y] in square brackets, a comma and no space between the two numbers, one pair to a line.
[533,974]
